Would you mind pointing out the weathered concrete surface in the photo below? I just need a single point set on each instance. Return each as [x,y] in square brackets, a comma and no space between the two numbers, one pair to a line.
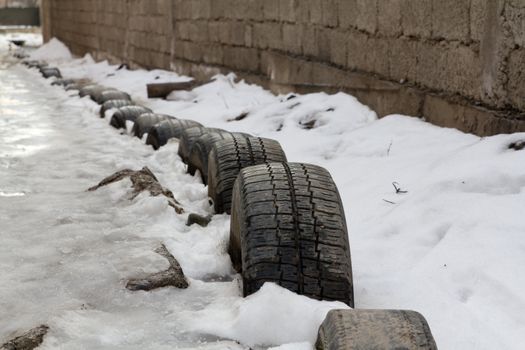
[390,54]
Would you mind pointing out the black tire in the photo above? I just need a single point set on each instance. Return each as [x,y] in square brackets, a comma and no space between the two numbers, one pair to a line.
[37,64]
[50,72]
[189,136]
[34,64]
[288,227]
[201,148]
[146,121]
[123,114]
[108,95]
[89,89]
[375,329]
[228,157]
[77,85]
[106,106]
[63,82]
[168,129]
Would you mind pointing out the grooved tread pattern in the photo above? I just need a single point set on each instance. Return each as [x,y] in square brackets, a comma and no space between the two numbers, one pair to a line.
[374,329]
[288,227]
[201,148]
[106,106]
[119,118]
[188,138]
[146,121]
[168,129]
[228,157]
[108,95]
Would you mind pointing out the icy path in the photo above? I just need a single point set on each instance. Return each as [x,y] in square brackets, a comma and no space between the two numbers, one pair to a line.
[65,253]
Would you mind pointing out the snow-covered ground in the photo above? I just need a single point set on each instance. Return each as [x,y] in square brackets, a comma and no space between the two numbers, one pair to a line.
[452,247]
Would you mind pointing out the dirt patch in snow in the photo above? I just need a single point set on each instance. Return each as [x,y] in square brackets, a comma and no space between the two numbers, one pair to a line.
[173,276]
[198,219]
[518,145]
[27,341]
[142,180]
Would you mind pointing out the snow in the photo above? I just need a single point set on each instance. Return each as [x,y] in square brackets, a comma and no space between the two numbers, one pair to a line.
[451,247]
[272,316]
[52,51]
[31,39]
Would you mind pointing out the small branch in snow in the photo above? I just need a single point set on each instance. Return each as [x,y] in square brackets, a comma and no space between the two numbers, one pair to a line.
[388,201]
[398,188]
[389,147]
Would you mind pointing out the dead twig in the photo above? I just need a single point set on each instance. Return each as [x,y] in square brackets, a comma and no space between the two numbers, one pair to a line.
[398,188]
[389,147]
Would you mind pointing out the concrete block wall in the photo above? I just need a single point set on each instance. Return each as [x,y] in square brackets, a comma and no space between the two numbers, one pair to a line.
[135,32]
[417,57]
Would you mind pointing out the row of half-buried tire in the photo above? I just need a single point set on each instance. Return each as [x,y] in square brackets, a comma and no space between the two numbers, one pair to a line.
[288,227]
[287,222]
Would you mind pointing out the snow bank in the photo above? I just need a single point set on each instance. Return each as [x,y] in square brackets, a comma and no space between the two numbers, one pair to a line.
[53,50]
[272,316]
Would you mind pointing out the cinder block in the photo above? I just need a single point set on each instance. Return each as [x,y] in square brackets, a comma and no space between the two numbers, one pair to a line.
[347,13]
[213,54]
[219,9]
[214,32]
[450,19]
[431,66]
[330,13]
[516,78]
[237,32]
[302,11]
[267,35]
[323,39]
[378,53]
[403,59]
[178,48]
[200,9]
[478,15]
[366,18]
[309,43]
[316,11]
[198,31]
[271,10]
[389,18]
[248,35]
[338,47]
[464,71]
[515,18]
[416,18]
[240,58]
[193,51]
[292,38]
[356,50]
[224,32]
[287,10]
